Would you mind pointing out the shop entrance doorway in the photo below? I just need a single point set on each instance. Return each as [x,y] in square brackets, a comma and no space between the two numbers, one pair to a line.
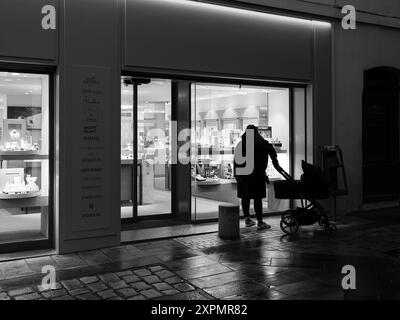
[145,148]
[212,115]
[381,157]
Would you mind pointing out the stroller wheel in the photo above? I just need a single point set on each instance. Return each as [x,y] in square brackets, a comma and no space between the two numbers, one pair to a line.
[286,214]
[323,222]
[331,228]
[289,225]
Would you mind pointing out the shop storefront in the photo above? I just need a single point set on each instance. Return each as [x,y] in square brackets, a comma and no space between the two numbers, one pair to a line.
[219,114]
[156,70]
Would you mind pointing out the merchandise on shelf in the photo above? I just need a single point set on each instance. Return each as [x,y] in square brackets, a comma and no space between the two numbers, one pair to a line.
[15,138]
[19,187]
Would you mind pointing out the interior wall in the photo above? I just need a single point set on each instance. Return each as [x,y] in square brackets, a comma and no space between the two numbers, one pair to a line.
[278,110]
[24,100]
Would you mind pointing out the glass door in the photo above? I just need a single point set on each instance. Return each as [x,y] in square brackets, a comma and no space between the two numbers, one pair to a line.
[145,147]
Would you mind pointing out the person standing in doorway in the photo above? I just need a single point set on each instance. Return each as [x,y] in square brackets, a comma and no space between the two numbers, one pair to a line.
[253,185]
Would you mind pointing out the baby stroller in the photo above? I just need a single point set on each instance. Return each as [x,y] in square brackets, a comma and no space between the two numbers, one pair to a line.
[311,186]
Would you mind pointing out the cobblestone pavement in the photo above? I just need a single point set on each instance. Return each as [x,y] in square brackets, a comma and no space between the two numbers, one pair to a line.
[261,265]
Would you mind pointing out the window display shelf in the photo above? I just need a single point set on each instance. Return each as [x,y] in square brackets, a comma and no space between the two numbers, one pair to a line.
[215,151]
[4,196]
[213,182]
[12,152]
[22,156]
[38,201]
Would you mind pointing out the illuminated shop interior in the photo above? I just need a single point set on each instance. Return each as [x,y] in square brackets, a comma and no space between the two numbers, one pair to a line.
[24,157]
[219,116]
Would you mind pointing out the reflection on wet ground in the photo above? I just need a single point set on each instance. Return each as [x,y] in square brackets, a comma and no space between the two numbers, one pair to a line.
[261,265]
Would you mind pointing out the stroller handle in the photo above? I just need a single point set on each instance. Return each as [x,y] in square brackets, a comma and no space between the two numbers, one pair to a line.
[286,175]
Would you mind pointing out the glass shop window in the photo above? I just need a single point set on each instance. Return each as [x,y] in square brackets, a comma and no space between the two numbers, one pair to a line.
[220,115]
[24,157]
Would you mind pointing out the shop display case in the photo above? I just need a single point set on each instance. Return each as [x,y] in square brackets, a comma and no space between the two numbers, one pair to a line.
[23,162]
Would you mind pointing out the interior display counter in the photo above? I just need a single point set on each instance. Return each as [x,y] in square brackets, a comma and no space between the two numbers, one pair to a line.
[225,190]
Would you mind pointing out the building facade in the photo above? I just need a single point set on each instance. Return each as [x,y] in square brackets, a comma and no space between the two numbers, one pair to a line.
[93,96]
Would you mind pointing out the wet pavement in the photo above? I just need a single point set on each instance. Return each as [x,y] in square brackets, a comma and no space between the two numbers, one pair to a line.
[261,265]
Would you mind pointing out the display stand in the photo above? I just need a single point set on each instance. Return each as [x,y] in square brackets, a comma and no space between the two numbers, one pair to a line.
[334,170]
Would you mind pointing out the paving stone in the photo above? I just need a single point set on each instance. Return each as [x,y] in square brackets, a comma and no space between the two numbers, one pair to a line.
[118,285]
[54,293]
[115,298]
[173,280]
[124,273]
[94,257]
[97,286]
[138,297]
[68,261]
[13,269]
[109,278]
[203,271]
[87,280]
[151,293]
[64,298]
[162,286]
[164,274]
[87,296]
[4,296]
[107,294]
[140,286]
[142,272]
[18,292]
[234,289]
[151,279]
[132,278]
[80,291]
[37,264]
[57,285]
[30,296]
[72,284]
[169,292]
[183,287]
[127,292]
[156,268]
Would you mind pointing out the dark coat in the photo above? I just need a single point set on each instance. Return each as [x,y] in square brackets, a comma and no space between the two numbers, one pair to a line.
[253,186]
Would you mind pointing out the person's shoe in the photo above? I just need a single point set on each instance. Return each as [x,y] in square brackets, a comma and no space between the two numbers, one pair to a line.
[249,222]
[263,226]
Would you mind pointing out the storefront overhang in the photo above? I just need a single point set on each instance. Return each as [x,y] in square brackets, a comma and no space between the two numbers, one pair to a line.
[213,39]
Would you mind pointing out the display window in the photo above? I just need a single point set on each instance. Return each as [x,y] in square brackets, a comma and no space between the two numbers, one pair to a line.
[24,157]
[217,116]
[220,115]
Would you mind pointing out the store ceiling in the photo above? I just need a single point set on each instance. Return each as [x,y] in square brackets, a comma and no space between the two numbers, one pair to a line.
[20,84]
[159,90]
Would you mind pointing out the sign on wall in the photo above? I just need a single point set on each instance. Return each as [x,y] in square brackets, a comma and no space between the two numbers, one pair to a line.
[91,91]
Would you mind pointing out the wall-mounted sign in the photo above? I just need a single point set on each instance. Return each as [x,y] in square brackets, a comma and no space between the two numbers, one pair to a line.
[90,101]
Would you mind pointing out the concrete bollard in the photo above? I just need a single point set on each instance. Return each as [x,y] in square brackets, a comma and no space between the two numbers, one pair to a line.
[228,221]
